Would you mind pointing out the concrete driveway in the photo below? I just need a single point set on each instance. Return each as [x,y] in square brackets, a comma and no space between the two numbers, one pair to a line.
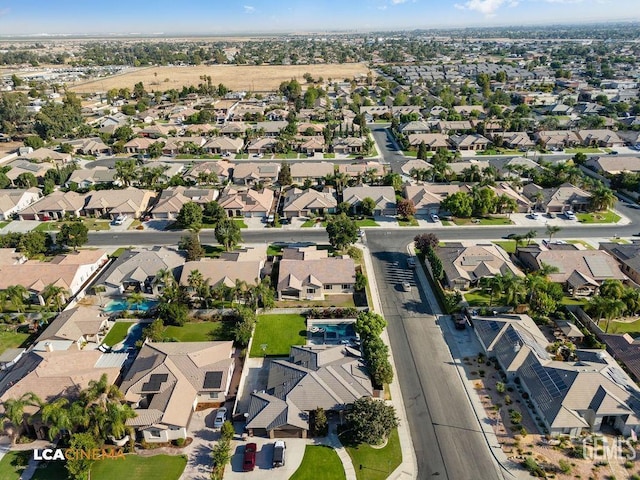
[199,452]
[20,226]
[264,457]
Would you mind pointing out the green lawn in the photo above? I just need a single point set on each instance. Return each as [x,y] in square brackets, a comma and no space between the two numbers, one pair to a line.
[581,242]
[4,224]
[311,222]
[118,252]
[482,221]
[508,246]
[242,156]
[10,468]
[117,333]
[279,333]
[319,462]
[273,249]
[632,328]
[213,250]
[376,463]
[199,332]
[282,156]
[500,151]
[240,222]
[410,153]
[480,298]
[51,471]
[367,222]
[91,223]
[573,301]
[446,223]
[583,150]
[598,217]
[408,223]
[133,467]
[329,155]
[10,338]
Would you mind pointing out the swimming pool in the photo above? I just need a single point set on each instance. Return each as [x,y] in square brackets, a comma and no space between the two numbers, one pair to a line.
[336,330]
[133,335]
[120,305]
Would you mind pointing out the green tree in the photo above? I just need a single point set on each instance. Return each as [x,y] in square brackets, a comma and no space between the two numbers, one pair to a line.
[611,288]
[214,212]
[123,133]
[602,198]
[154,331]
[135,299]
[173,313]
[284,175]
[368,205]
[79,466]
[425,241]
[190,216]
[26,180]
[126,171]
[56,415]
[370,421]
[458,204]
[192,245]
[552,230]
[228,234]
[73,234]
[34,142]
[342,231]
[406,208]
[55,296]
[34,243]
[221,455]
[369,324]
[17,295]
[14,411]
[227,431]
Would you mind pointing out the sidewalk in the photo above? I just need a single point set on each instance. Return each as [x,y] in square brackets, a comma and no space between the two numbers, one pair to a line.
[471,344]
[409,466]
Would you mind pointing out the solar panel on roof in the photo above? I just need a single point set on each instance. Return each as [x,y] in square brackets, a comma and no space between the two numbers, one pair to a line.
[159,377]
[599,267]
[150,387]
[212,379]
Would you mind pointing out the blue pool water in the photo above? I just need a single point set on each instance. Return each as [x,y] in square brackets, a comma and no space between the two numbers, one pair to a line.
[120,305]
[134,334]
[337,330]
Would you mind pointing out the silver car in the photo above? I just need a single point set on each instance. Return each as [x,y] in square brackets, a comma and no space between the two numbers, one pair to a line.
[221,417]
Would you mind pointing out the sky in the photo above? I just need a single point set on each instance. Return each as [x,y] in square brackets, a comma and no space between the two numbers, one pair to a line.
[220,17]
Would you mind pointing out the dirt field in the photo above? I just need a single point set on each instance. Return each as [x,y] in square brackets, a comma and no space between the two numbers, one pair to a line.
[249,78]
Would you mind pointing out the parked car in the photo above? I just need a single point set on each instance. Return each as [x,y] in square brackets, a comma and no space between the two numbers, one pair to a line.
[284,221]
[406,286]
[120,219]
[411,262]
[279,449]
[221,417]
[249,459]
[460,322]
[534,215]
[510,236]
[435,218]
[270,218]
[551,215]
[570,215]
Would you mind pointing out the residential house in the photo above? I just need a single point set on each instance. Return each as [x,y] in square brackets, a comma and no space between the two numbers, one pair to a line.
[137,269]
[306,273]
[249,173]
[90,146]
[203,170]
[112,203]
[156,132]
[13,201]
[523,204]
[628,257]
[586,392]
[21,166]
[625,349]
[175,145]
[459,126]
[200,129]
[414,165]
[70,271]
[167,381]
[47,155]
[87,178]
[54,206]
[557,199]
[471,142]
[464,266]
[52,374]
[245,265]
[515,167]
[312,145]
[172,199]
[234,129]
[373,169]
[580,272]
[138,145]
[417,127]
[224,145]
[600,138]
[384,198]
[432,141]
[262,146]
[557,139]
[614,164]
[246,202]
[314,171]
[514,140]
[75,328]
[349,145]
[302,203]
[325,376]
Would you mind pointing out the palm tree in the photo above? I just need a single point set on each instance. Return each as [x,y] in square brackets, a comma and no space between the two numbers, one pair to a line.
[612,288]
[530,235]
[16,294]
[493,285]
[631,299]
[615,308]
[3,299]
[545,270]
[602,198]
[14,411]
[117,415]
[54,295]
[513,289]
[552,230]
[239,290]
[100,392]
[99,289]
[56,415]
[136,298]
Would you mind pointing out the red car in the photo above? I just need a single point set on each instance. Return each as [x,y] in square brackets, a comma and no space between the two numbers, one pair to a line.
[249,460]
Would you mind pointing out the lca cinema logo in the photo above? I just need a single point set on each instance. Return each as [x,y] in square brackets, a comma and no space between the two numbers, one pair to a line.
[51,454]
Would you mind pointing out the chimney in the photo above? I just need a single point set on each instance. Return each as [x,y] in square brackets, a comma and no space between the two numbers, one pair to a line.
[48,347]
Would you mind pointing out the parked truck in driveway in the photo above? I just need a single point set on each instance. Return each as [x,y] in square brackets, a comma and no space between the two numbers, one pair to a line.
[278,453]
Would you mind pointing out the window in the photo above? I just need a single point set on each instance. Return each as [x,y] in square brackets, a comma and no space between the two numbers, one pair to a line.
[346,286]
[327,287]
[154,433]
[214,394]
[311,290]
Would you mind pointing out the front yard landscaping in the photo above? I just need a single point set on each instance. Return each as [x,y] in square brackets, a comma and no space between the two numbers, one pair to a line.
[133,467]
[117,333]
[278,333]
[583,150]
[319,462]
[598,217]
[12,337]
[508,246]
[376,463]
[91,223]
[12,464]
[412,222]
[480,298]
[616,326]
[483,221]
[199,332]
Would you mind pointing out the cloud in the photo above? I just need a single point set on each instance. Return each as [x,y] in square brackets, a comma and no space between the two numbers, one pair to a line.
[486,7]
[396,2]
[249,9]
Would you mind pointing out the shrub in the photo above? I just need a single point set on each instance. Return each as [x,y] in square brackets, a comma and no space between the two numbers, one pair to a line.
[500,387]
[179,442]
[534,469]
